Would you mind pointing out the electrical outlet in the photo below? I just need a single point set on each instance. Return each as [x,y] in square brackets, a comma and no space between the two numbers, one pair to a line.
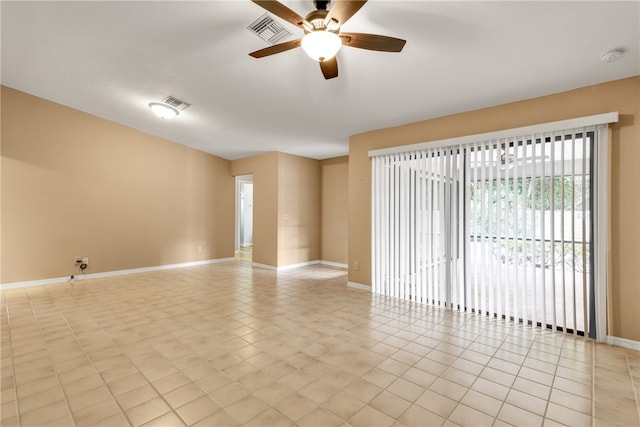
[85,260]
[199,249]
[78,259]
[356,265]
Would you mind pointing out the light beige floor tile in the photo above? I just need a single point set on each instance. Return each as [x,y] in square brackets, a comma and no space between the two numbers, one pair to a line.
[466,416]
[229,394]
[296,346]
[379,377]
[36,389]
[147,411]
[182,395]
[273,392]
[517,416]
[406,389]
[531,387]
[437,403]
[567,416]
[572,401]
[8,410]
[363,390]
[246,408]
[169,419]
[171,382]
[527,402]
[95,414]
[268,418]
[448,388]
[390,404]
[296,380]
[117,419]
[370,417]
[419,417]
[343,405]
[213,382]
[218,418]
[482,402]
[136,396]
[419,377]
[296,406]
[126,383]
[318,391]
[89,397]
[320,418]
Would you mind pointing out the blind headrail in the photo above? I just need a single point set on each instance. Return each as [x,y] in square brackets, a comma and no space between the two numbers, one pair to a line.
[579,122]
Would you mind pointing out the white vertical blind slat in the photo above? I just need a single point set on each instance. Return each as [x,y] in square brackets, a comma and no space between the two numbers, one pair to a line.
[552,232]
[499,225]
[585,237]
[573,234]
[543,252]
[514,234]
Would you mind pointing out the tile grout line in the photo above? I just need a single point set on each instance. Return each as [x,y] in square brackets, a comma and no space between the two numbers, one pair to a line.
[593,385]
[13,365]
[633,384]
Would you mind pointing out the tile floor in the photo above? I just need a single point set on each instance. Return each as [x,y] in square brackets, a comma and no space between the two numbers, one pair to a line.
[226,344]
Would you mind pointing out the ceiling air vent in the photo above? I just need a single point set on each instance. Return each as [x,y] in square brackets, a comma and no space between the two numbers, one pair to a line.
[176,103]
[268,29]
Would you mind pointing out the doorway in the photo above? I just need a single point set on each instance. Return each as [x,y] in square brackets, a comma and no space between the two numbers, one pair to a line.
[244,216]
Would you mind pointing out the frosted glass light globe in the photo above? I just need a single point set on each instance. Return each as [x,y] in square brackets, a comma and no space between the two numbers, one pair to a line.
[321,45]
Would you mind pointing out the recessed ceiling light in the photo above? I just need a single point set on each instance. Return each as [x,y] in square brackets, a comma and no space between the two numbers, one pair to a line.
[611,56]
[163,111]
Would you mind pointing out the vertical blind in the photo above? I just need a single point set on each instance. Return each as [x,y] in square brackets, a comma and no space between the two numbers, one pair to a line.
[501,227]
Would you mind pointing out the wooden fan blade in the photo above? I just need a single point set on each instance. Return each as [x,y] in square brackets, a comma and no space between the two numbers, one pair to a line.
[329,68]
[281,10]
[276,48]
[372,42]
[342,10]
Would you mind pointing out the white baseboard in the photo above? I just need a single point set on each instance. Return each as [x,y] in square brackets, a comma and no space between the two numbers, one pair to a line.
[623,342]
[78,277]
[360,286]
[299,265]
[265,266]
[335,264]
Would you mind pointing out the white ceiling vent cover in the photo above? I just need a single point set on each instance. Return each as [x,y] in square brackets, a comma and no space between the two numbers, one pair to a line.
[176,103]
[268,29]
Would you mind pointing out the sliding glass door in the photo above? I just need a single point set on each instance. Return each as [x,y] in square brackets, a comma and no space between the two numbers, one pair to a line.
[530,230]
[500,228]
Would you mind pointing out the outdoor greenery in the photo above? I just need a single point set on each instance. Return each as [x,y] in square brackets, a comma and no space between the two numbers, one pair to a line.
[497,209]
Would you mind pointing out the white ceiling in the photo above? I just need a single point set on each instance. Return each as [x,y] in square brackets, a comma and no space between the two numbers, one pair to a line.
[112,58]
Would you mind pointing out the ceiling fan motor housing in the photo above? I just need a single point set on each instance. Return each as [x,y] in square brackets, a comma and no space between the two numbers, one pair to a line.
[321,4]
[318,21]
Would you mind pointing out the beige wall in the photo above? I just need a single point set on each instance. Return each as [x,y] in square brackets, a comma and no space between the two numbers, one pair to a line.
[286,207]
[74,184]
[335,202]
[622,96]
[299,214]
[265,204]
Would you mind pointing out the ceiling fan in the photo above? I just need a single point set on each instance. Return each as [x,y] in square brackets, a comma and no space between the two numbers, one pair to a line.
[323,38]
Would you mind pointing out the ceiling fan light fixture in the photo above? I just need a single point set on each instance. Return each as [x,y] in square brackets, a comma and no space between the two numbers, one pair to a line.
[162,110]
[321,45]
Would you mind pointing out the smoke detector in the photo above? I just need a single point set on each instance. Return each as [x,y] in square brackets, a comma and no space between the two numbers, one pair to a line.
[611,56]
